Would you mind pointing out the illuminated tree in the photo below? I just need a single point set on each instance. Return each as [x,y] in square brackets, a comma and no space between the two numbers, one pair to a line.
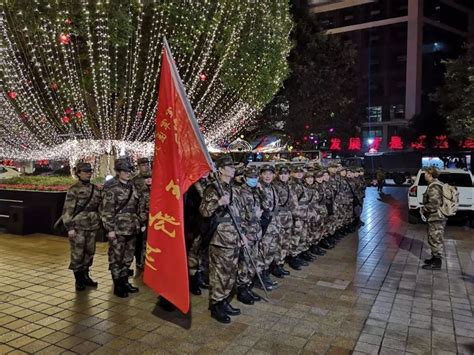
[79,77]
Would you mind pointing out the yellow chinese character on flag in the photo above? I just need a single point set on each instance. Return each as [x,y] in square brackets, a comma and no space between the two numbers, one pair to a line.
[149,259]
[159,222]
[161,136]
[165,124]
[174,189]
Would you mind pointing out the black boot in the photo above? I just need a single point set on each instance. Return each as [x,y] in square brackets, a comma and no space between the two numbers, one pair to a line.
[283,270]
[293,263]
[268,280]
[201,280]
[87,279]
[120,289]
[194,285]
[278,272]
[307,257]
[325,244]
[80,284]
[258,284]
[228,309]
[429,261]
[244,296]
[218,313]
[128,286]
[255,297]
[435,264]
[318,251]
[130,272]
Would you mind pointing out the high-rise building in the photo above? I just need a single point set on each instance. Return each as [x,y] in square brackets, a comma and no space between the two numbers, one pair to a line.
[401,45]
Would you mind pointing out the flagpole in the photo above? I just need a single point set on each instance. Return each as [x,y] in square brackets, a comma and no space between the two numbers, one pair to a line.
[197,132]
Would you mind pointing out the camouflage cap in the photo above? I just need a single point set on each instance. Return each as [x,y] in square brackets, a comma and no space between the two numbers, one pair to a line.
[251,171]
[83,167]
[143,161]
[319,173]
[310,173]
[283,169]
[333,165]
[267,167]
[224,161]
[123,165]
[297,169]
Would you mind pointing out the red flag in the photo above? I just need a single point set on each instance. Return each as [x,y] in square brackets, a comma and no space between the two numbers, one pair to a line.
[181,158]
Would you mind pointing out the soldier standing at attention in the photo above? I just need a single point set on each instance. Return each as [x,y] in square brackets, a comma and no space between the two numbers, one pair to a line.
[436,221]
[327,242]
[224,246]
[285,219]
[299,212]
[251,213]
[269,223]
[322,211]
[82,221]
[120,217]
[142,183]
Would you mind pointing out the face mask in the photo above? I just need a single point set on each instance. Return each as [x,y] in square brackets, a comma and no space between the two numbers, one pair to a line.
[252,182]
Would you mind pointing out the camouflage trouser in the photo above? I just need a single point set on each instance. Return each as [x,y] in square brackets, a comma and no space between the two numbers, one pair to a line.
[246,271]
[223,263]
[268,247]
[121,252]
[435,237]
[284,237]
[299,235]
[82,250]
[140,248]
[198,257]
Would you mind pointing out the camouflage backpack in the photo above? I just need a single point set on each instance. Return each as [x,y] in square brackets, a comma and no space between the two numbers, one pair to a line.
[450,203]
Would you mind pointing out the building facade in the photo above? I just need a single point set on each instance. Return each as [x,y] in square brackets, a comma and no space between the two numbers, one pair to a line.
[401,45]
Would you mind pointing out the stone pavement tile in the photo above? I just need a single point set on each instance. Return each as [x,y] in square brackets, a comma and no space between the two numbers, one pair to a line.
[85,347]
[370,339]
[41,333]
[367,348]
[4,348]
[69,342]
[55,337]
[20,341]
[390,351]
[34,346]
[336,350]
[50,350]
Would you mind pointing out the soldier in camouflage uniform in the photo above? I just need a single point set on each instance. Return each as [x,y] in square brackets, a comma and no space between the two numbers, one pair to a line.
[224,246]
[346,201]
[436,221]
[313,216]
[82,221]
[285,219]
[270,227]
[199,250]
[299,212]
[329,191]
[251,213]
[121,219]
[142,183]
[322,211]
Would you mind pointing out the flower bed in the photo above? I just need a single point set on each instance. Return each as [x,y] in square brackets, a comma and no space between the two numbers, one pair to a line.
[38,183]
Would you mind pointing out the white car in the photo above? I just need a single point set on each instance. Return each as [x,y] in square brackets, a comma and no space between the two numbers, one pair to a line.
[7,172]
[460,178]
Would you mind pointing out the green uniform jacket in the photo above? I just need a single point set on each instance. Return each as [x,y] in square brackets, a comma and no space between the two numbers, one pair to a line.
[76,198]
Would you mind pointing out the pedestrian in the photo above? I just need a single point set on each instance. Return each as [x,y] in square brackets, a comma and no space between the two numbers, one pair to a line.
[436,221]
[121,219]
[82,221]
[219,200]
[380,176]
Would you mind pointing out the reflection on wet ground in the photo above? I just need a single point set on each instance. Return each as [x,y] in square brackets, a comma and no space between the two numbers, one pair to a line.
[367,295]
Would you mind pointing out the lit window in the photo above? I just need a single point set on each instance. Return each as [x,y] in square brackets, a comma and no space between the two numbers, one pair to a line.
[374,114]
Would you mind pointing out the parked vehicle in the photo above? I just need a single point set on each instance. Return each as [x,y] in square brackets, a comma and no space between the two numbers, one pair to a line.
[460,178]
[7,172]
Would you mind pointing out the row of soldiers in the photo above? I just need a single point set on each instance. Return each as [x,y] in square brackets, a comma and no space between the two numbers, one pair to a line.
[120,207]
[240,229]
[251,224]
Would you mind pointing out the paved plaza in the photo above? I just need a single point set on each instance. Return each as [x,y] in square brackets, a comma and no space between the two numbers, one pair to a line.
[368,295]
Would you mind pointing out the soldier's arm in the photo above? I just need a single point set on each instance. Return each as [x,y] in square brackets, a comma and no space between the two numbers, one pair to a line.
[435,199]
[69,207]
[209,203]
[264,199]
[143,209]
[108,210]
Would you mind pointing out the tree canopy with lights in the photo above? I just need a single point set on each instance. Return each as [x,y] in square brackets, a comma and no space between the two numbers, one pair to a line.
[79,77]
